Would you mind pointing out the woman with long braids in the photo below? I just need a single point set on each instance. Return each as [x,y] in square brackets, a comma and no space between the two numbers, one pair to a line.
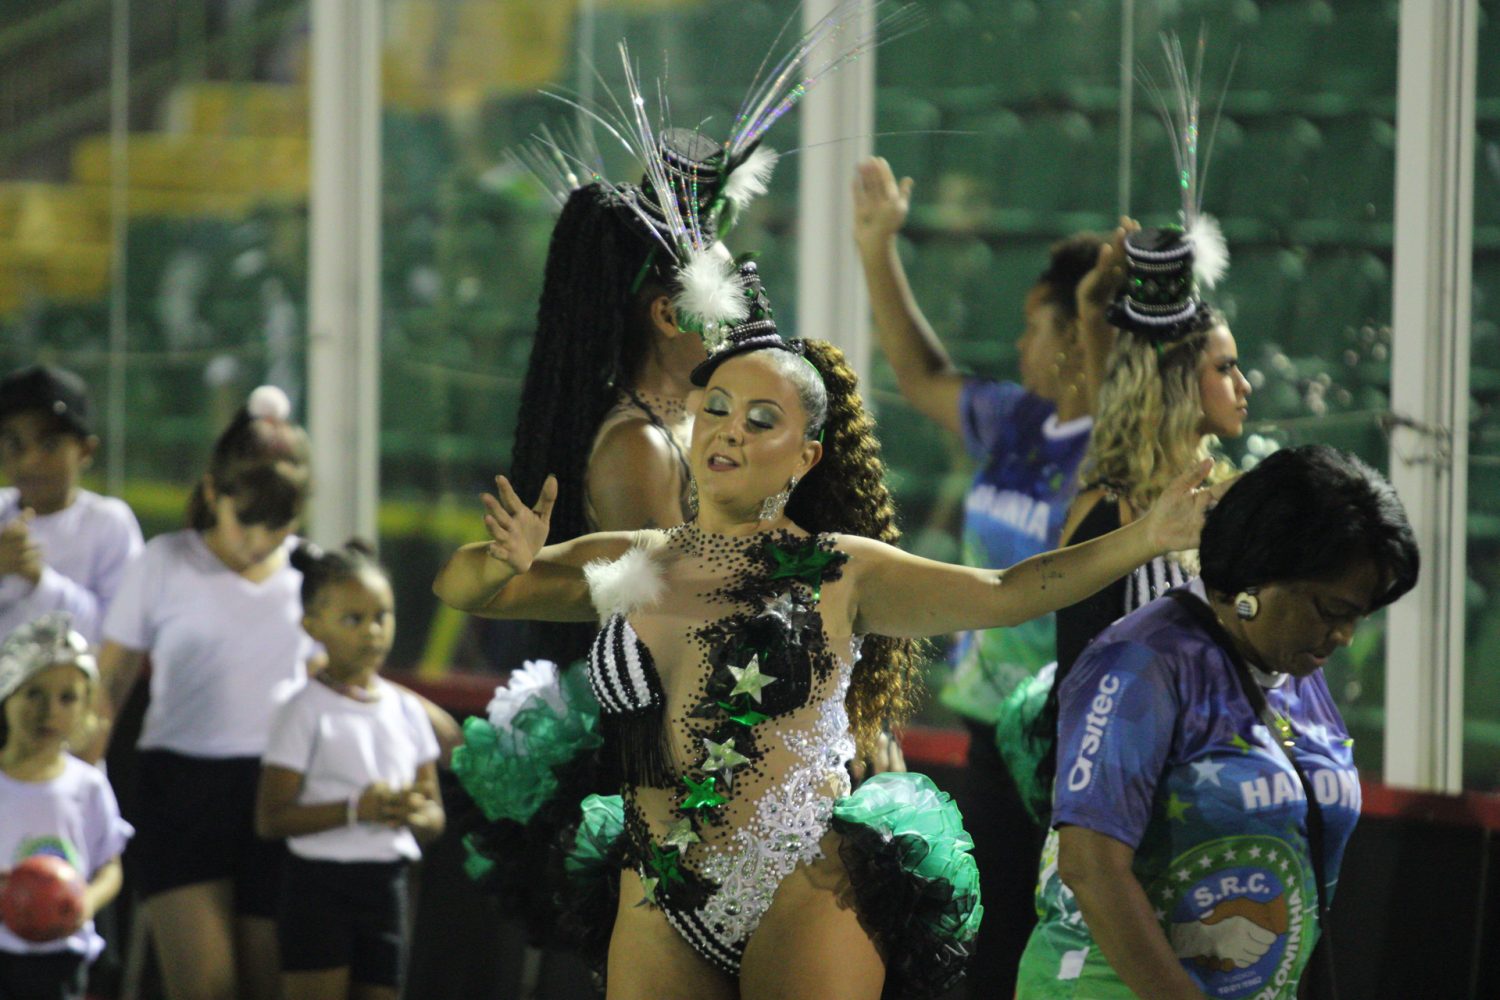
[736,679]
[602,405]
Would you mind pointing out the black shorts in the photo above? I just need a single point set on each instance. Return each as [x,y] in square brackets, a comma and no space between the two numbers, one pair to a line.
[197,824]
[345,914]
[58,975]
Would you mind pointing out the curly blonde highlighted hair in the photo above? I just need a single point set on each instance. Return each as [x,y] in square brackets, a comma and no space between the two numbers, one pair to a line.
[1146,426]
[846,493]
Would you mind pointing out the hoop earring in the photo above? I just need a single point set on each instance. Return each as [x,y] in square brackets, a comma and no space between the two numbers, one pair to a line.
[773,505]
[1246,604]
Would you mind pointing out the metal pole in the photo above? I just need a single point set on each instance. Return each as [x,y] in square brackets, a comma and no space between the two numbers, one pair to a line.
[1433,259]
[119,224]
[1127,99]
[344,270]
[831,300]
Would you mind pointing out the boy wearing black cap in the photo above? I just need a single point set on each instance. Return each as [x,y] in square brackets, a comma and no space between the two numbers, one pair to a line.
[62,548]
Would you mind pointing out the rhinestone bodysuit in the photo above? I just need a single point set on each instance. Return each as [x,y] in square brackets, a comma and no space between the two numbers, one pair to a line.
[725,702]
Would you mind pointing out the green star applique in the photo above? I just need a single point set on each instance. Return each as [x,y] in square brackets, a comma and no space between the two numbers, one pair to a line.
[723,756]
[664,864]
[749,680]
[807,563]
[702,794]
[648,884]
[1177,809]
[744,716]
[681,835]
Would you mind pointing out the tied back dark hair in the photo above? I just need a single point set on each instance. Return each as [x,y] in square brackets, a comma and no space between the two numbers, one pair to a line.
[263,463]
[1308,512]
[1069,263]
[846,493]
[320,568]
[592,333]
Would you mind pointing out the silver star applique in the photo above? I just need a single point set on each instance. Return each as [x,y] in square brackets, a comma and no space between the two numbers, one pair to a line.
[749,680]
[681,835]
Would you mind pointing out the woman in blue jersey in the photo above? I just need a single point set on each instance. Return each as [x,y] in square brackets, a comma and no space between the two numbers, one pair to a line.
[1027,440]
[1206,785]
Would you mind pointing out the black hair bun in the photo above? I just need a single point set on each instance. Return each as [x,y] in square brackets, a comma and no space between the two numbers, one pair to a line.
[307,557]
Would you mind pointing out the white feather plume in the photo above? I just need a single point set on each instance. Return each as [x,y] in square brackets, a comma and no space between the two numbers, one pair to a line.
[712,290]
[269,403]
[625,584]
[1210,251]
[750,179]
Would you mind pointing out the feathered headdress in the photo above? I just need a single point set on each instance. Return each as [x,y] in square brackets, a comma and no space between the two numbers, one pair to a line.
[691,187]
[1166,266]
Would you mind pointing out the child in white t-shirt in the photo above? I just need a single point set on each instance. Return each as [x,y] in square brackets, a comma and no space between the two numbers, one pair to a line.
[350,779]
[62,547]
[52,803]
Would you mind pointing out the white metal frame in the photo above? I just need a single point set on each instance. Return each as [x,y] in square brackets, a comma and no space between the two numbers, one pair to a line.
[1430,386]
[838,118]
[344,271]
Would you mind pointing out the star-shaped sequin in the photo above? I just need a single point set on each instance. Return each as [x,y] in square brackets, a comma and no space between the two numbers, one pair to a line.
[723,756]
[749,680]
[744,716]
[648,885]
[781,606]
[681,835]
[664,864]
[702,794]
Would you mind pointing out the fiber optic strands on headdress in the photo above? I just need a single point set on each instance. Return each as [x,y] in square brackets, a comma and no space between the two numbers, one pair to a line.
[1178,106]
[687,197]
[562,162]
[1165,266]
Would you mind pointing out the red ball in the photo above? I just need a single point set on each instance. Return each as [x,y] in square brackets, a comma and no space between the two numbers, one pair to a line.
[42,899]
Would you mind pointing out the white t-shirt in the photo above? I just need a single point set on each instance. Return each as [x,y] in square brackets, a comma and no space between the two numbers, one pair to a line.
[225,651]
[85,549]
[74,817]
[340,746]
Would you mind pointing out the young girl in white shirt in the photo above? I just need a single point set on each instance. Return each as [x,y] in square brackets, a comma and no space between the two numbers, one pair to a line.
[52,803]
[350,778]
[217,608]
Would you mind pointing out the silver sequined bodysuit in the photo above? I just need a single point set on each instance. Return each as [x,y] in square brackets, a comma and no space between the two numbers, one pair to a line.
[725,701]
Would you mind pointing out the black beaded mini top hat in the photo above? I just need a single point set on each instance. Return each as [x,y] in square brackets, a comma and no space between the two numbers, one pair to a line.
[1167,266]
[755,332]
[693,187]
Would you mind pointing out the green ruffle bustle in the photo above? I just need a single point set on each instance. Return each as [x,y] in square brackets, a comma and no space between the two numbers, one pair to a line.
[915,881]
[1016,739]
[592,865]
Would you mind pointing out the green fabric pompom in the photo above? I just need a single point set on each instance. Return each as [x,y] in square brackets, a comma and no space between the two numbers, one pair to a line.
[510,772]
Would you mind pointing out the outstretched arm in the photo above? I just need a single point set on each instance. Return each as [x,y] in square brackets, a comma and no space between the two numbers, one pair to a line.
[512,575]
[900,594]
[924,372]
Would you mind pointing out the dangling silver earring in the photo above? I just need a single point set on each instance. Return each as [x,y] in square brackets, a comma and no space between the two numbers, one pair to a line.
[1246,604]
[692,497]
[773,505]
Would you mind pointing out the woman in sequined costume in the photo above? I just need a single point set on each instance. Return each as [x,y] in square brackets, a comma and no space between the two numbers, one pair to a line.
[735,683]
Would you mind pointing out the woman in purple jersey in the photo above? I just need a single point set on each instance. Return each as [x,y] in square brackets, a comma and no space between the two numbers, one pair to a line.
[1206,785]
